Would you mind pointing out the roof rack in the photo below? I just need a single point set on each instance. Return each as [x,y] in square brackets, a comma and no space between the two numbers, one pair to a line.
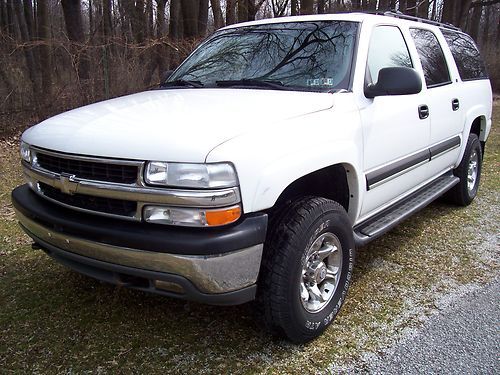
[398,14]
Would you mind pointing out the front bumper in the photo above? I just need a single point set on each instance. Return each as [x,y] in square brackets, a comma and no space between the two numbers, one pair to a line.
[218,266]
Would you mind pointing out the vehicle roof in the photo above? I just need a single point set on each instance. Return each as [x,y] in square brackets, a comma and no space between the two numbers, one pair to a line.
[354,17]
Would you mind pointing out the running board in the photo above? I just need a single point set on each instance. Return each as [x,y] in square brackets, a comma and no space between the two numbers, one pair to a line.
[374,227]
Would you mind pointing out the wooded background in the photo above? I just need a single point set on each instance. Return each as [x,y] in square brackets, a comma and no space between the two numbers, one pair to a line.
[60,54]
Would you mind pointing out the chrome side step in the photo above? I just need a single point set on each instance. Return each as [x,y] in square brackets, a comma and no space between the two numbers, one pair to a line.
[374,227]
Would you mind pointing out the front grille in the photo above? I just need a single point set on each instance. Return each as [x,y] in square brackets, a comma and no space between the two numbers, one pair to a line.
[125,174]
[87,202]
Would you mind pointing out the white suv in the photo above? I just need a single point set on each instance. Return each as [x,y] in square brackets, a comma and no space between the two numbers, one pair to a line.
[262,162]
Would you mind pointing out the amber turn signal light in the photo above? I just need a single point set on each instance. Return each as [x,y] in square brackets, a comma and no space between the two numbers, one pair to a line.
[224,216]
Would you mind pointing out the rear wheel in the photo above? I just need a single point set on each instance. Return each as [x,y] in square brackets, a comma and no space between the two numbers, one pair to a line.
[469,173]
[306,269]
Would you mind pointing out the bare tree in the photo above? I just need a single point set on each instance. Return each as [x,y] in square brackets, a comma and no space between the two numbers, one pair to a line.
[175,24]
[217,13]
[230,12]
[306,6]
[28,52]
[44,50]
[72,10]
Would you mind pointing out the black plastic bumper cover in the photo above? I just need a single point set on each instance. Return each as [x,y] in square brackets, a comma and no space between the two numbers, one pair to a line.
[248,231]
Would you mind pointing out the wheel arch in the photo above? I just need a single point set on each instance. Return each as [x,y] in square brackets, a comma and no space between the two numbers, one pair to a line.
[338,182]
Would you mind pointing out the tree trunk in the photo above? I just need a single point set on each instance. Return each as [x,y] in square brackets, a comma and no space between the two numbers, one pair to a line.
[449,11]
[423,9]
[190,9]
[28,52]
[4,21]
[139,21]
[253,7]
[202,17]
[91,18]
[44,49]
[411,7]
[230,12]
[306,7]
[486,31]
[371,5]
[12,24]
[161,54]
[106,17]
[175,25]
[149,19]
[321,6]
[383,5]
[402,6]
[356,4]
[242,10]
[434,15]
[28,16]
[72,10]
[463,14]
[217,12]
[475,23]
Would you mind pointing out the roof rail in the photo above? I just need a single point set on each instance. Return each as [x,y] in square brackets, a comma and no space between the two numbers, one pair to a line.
[398,14]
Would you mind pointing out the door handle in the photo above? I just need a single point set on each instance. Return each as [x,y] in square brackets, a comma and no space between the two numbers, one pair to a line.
[455,104]
[423,111]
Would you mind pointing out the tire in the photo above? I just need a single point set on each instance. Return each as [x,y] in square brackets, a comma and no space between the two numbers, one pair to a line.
[289,303]
[469,173]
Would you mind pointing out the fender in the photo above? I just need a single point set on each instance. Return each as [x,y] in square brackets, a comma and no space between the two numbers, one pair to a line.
[478,111]
[277,176]
[267,163]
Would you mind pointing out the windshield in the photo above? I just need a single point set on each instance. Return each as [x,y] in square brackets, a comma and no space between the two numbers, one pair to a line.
[311,56]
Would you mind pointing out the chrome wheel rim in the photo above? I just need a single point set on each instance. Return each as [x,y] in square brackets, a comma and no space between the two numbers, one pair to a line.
[472,170]
[320,272]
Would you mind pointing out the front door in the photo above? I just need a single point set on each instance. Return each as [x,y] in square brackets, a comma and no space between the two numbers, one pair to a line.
[396,129]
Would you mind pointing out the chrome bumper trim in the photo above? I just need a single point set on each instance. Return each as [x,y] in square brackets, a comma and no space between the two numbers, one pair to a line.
[218,273]
[175,197]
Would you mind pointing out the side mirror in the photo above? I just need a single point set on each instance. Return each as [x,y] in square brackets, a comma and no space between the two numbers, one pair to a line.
[395,81]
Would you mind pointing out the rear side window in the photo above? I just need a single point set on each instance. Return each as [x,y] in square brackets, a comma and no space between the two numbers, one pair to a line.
[467,57]
[387,49]
[432,57]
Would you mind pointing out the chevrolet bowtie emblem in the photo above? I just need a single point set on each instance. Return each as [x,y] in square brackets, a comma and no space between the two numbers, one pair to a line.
[67,183]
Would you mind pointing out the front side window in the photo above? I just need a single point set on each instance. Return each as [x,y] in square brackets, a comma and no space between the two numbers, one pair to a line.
[310,56]
[466,55]
[387,49]
[432,57]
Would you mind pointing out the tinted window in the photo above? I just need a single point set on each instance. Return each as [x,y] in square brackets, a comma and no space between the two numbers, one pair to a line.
[312,56]
[432,57]
[466,55]
[387,49]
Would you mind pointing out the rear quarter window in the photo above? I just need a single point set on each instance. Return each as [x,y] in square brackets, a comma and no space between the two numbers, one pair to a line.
[466,55]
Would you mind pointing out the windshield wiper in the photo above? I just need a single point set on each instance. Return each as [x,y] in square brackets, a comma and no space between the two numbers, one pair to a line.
[252,83]
[182,83]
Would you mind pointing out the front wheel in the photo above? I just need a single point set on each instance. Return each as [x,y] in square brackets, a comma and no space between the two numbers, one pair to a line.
[469,173]
[306,268]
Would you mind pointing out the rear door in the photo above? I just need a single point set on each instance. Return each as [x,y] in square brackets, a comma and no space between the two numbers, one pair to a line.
[444,99]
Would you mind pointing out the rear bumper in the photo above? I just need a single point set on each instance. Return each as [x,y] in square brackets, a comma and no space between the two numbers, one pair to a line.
[147,256]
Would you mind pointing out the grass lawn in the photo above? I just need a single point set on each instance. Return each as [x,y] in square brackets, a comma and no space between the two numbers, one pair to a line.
[55,320]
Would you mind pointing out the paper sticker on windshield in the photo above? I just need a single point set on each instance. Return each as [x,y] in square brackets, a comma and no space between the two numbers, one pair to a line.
[320,82]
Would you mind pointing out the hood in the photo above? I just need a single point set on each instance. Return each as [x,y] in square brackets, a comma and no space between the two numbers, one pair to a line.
[171,125]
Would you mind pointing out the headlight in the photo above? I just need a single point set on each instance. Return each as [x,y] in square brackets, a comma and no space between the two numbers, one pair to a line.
[25,152]
[190,175]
